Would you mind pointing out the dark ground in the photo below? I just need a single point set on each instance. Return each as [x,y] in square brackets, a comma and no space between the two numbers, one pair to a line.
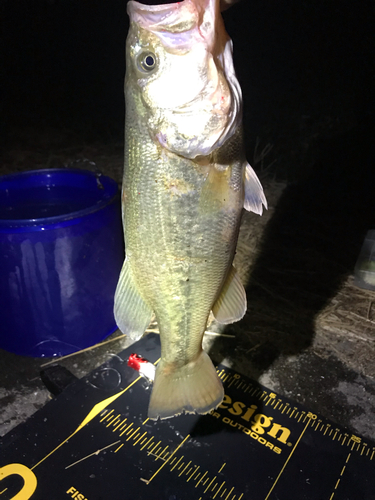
[307,73]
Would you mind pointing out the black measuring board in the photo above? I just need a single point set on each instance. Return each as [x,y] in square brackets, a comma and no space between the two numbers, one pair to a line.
[95,442]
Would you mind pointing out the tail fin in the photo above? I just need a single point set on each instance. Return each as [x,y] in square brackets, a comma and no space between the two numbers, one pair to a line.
[193,388]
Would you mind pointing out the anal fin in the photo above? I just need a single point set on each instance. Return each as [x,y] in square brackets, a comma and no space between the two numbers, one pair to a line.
[231,304]
[254,194]
[132,314]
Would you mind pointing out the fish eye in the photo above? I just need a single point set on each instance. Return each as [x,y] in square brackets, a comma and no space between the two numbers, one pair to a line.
[146,62]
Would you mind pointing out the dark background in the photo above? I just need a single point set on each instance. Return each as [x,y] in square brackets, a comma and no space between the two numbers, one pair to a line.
[306,68]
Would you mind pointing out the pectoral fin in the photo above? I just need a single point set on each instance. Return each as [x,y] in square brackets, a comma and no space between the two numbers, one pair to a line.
[132,314]
[254,195]
[231,304]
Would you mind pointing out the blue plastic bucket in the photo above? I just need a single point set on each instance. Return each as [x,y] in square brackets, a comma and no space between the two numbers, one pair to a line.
[61,252]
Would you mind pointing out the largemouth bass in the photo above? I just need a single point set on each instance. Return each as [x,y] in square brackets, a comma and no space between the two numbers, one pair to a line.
[185,183]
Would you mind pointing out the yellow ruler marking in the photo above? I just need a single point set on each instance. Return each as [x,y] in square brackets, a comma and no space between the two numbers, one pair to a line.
[184,469]
[115,421]
[106,416]
[157,444]
[209,484]
[178,461]
[222,484]
[119,425]
[287,460]
[143,440]
[147,419]
[146,443]
[150,444]
[226,498]
[194,472]
[164,463]
[110,418]
[339,479]
[162,453]
[96,410]
[222,467]
[131,435]
[121,445]
[124,425]
[127,427]
[201,479]
[140,437]
[302,414]
[239,498]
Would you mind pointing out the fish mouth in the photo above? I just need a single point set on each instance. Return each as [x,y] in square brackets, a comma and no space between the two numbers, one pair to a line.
[174,17]
[177,24]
